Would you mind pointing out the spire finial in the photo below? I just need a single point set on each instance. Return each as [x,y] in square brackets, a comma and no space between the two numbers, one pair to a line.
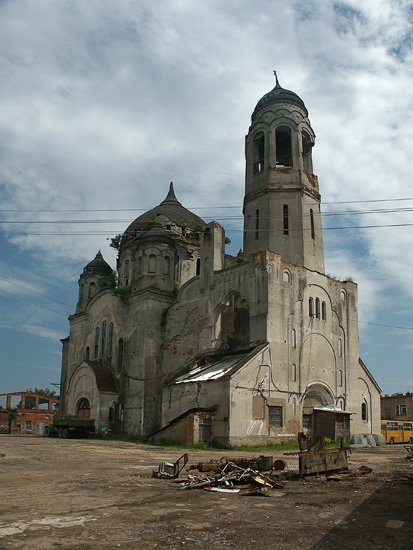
[276,78]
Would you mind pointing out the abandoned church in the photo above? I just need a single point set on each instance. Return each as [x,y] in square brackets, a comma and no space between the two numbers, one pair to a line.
[194,345]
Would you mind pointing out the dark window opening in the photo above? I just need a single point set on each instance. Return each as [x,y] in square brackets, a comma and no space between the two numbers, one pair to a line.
[120,355]
[364,415]
[401,410]
[307,146]
[152,264]
[324,311]
[283,147]
[96,342]
[258,154]
[103,337]
[110,340]
[310,307]
[312,224]
[198,266]
[317,308]
[87,353]
[285,219]
[275,417]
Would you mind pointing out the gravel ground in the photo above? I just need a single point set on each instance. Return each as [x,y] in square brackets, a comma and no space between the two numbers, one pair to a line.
[93,494]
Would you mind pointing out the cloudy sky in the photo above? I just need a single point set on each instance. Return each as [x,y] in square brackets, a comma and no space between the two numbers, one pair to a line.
[104,102]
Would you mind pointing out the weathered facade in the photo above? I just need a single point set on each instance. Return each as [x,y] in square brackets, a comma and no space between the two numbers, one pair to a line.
[33,413]
[398,406]
[197,345]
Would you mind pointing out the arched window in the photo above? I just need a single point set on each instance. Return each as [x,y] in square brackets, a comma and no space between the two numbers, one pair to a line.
[293,338]
[340,347]
[92,289]
[259,145]
[167,265]
[120,355]
[110,340]
[87,353]
[286,276]
[103,337]
[294,373]
[342,294]
[139,266]
[285,219]
[96,342]
[283,146]
[257,224]
[81,291]
[340,377]
[126,273]
[198,266]
[317,308]
[324,311]
[152,263]
[306,147]
[364,412]
[310,307]
[312,224]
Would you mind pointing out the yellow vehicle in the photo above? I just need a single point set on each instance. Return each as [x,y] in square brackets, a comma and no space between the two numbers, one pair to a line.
[395,431]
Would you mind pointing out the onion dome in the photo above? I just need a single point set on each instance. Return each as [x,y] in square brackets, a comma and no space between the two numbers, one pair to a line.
[279,95]
[171,210]
[98,265]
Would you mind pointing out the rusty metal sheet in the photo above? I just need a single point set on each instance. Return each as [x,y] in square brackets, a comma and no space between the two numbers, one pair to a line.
[327,460]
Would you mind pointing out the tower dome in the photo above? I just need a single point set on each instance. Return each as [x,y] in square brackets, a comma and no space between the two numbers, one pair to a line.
[98,265]
[168,213]
[279,95]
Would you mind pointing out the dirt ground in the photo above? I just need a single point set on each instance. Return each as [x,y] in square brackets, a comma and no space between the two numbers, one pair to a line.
[92,494]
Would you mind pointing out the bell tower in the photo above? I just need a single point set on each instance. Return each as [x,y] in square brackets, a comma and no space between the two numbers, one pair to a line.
[282,199]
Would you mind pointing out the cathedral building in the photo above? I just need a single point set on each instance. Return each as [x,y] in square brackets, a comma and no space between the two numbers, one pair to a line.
[190,344]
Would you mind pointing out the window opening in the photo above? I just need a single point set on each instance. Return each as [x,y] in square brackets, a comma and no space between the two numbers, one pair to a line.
[103,337]
[285,218]
[275,417]
[152,263]
[110,339]
[87,353]
[258,154]
[306,147]
[96,342]
[294,373]
[167,265]
[198,266]
[340,377]
[126,273]
[401,410]
[92,290]
[312,224]
[139,265]
[310,307]
[120,354]
[364,415]
[283,147]
[317,308]
[324,311]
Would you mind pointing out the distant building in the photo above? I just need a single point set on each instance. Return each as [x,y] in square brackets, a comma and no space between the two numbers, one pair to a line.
[195,345]
[25,418]
[397,406]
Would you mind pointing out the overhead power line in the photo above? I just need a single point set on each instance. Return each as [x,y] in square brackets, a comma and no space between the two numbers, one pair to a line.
[189,208]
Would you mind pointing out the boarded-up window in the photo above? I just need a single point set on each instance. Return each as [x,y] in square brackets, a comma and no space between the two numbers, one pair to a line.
[258,410]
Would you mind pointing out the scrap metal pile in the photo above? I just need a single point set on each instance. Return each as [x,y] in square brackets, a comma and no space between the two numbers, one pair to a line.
[246,476]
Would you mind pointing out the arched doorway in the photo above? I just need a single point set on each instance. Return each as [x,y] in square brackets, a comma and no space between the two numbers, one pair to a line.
[232,325]
[83,409]
[316,396]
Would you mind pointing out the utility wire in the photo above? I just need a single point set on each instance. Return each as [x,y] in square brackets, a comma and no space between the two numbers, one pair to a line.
[10,281]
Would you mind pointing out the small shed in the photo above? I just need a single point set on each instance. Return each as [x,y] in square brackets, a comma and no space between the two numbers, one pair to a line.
[332,422]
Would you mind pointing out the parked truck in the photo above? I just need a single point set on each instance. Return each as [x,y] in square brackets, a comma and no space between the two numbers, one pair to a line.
[70,426]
